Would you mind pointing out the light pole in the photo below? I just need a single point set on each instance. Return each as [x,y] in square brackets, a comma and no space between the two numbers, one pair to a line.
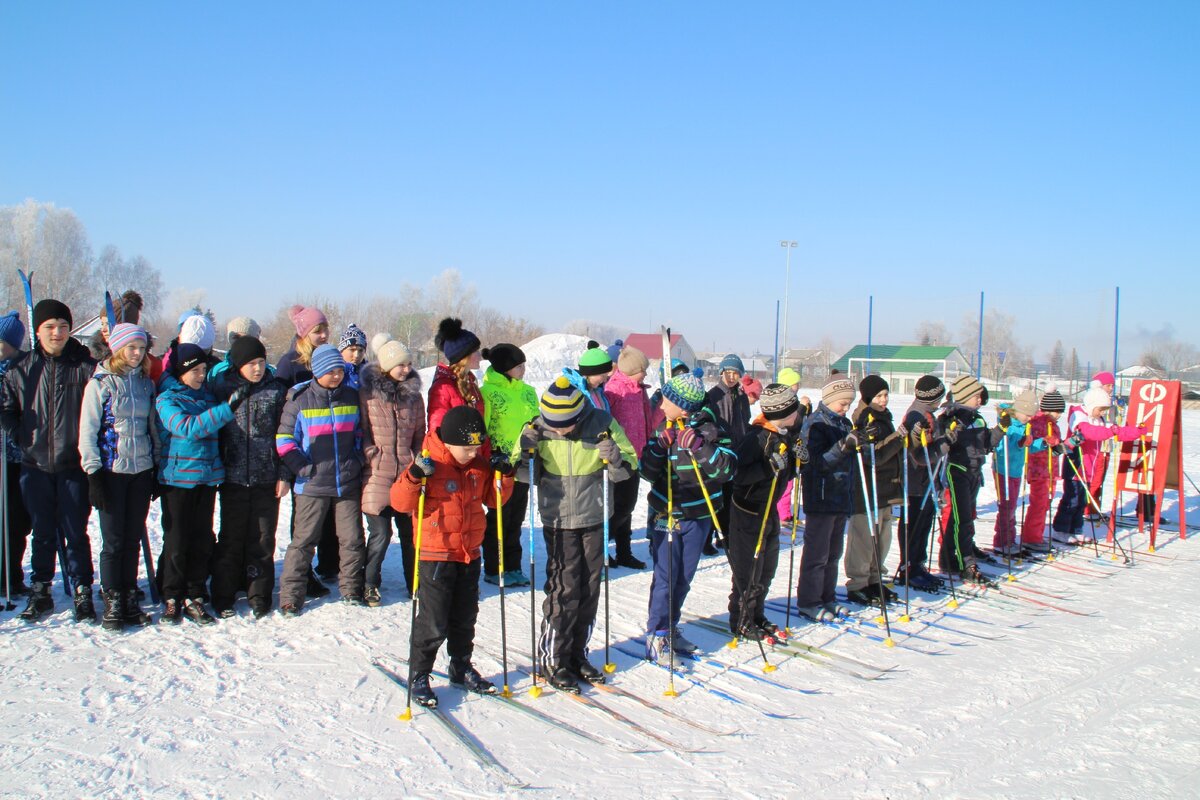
[787,280]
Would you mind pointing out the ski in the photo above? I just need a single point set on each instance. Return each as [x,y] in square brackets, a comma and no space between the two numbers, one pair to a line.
[871,618]
[724,667]
[853,625]
[464,737]
[1044,604]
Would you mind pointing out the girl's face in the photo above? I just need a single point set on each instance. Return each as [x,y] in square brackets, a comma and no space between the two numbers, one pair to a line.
[473,360]
[194,377]
[332,379]
[134,353]
[840,407]
[517,372]
[254,371]
[319,335]
[7,351]
[400,372]
[463,454]
[1019,417]
[879,402]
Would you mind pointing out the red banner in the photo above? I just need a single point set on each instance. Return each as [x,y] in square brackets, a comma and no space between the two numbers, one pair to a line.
[1155,405]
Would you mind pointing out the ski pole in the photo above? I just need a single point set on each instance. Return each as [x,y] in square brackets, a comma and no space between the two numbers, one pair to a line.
[787,620]
[670,692]
[535,691]
[904,520]
[1024,484]
[749,595]
[1088,492]
[416,598]
[8,603]
[937,510]
[868,503]
[609,666]
[500,545]
[1008,544]
[1051,433]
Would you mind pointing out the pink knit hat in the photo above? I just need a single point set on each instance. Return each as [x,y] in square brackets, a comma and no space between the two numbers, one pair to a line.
[305,319]
[752,387]
[1105,378]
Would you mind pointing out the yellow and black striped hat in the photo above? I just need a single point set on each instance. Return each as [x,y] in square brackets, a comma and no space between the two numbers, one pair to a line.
[561,403]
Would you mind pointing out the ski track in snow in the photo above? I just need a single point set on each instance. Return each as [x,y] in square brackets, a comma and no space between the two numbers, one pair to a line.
[1064,706]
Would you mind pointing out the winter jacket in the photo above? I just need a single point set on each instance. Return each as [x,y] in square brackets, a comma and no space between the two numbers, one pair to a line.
[1097,436]
[289,369]
[831,473]
[875,427]
[393,423]
[733,408]
[1009,458]
[248,442]
[752,482]
[595,396]
[353,377]
[188,424]
[320,440]
[1043,464]
[511,403]
[117,424]
[630,407]
[454,520]
[975,439]
[922,413]
[13,454]
[444,395]
[570,473]
[40,401]
[715,458]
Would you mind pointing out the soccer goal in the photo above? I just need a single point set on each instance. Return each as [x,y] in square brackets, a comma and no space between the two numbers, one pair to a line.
[902,374]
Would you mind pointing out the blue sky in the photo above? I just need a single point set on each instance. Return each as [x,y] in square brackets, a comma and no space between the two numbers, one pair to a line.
[634,163]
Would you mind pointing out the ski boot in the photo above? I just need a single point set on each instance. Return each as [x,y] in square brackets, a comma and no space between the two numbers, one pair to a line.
[421,691]
[563,679]
[587,672]
[85,609]
[173,613]
[131,612]
[817,613]
[315,588]
[468,678]
[195,611]
[40,603]
[684,645]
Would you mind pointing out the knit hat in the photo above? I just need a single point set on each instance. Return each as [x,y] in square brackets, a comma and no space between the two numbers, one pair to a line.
[353,336]
[455,341]
[194,311]
[12,330]
[325,359]
[245,349]
[731,361]
[561,403]
[392,354]
[778,401]
[788,377]
[1105,378]
[305,319]
[1096,398]
[870,386]
[123,333]
[837,390]
[241,326]
[686,391]
[462,426]
[503,356]
[679,367]
[930,388]
[595,360]
[964,388]
[752,387]
[614,349]
[1026,403]
[1053,400]
[631,361]
[50,309]
[186,357]
[199,331]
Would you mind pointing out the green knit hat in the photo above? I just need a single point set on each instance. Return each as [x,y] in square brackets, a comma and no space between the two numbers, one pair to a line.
[595,360]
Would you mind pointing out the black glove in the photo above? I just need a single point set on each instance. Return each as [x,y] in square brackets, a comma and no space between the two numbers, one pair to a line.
[421,468]
[239,396]
[499,463]
[530,436]
[952,433]
[96,494]
[1004,419]
[609,451]
[849,443]
[778,463]
[1074,440]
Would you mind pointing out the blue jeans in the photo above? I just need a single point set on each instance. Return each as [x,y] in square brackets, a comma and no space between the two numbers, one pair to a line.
[687,544]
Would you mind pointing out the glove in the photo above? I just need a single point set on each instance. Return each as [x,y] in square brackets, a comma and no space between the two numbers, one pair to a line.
[499,463]
[1004,419]
[849,443]
[1074,440]
[1026,441]
[421,468]
[690,439]
[96,495]
[902,431]
[656,398]
[156,488]
[666,438]
[952,434]
[239,396]
[530,436]
[608,450]
[778,463]
[801,452]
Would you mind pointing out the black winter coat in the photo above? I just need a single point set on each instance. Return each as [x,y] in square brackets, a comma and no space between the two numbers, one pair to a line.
[975,439]
[830,474]
[752,482]
[247,444]
[40,402]
[888,459]
[715,458]
[732,407]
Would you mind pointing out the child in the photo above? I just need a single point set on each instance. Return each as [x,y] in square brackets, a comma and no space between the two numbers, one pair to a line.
[595,367]
[255,480]
[827,486]
[511,403]
[688,457]
[924,448]
[118,446]
[1044,443]
[455,477]
[630,407]
[767,458]
[320,442]
[873,423]
[12,339]
[189,470]
[1009,464]
[454,380]
[731,406]
[393,428]
[353,347]
[790,378]
[968,443]
[573,442]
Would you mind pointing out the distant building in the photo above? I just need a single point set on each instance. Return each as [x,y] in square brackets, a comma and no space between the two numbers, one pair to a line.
[901,365]
[651,345]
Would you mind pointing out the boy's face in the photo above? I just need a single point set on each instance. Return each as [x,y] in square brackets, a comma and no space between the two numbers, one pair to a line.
[254,370]
[787,422]
[596,381]
[194,377]
[730,378]
[974,402]
[463,454]
[353,355]
[53,335]
[840,407]
[1054,415]
[332,379]
[1020,417]
[517,372]
[880,401]
[7,351]
[672,411]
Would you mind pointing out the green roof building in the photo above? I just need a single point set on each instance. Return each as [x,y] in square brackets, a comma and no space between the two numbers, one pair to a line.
[901,365]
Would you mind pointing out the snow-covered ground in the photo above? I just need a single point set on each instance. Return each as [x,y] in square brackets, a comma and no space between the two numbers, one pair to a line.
[1018,701]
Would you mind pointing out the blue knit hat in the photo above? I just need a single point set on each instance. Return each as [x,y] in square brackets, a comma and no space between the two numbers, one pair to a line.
[12,330]
[731,361]
[325,359]
[353,336]
[686,391]
[455,341]
[614,350]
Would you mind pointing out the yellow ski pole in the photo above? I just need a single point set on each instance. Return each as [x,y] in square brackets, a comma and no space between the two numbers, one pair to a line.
[670,692]
[407,713]
[500,545]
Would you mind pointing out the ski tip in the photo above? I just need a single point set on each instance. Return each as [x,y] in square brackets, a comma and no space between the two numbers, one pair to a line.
[732,644]
[953,604]
[905,618]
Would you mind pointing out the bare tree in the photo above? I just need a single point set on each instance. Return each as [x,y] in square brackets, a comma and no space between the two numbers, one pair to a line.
[600,331]
[1057,358]
[1170,356]
[115,274]
[999,344]
[933,334]
[52,243]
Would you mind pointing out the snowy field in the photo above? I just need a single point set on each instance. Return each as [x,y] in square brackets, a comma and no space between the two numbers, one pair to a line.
[1001,698]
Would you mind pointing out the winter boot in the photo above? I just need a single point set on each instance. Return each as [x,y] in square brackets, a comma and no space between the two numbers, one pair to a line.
[817,613]
[421,691]
[863,596]
[589,673]
[85,609]
[563,679]
[626,560]
[40,603]
[172,613]
[112,620]
[353,600]
[195,611]
[131,611]
[372,597]
[260,607]
[874,590]
[468,678]
[684,645]
[289,610]
[658,647]
[315,588]
[515,578]
[973,575]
